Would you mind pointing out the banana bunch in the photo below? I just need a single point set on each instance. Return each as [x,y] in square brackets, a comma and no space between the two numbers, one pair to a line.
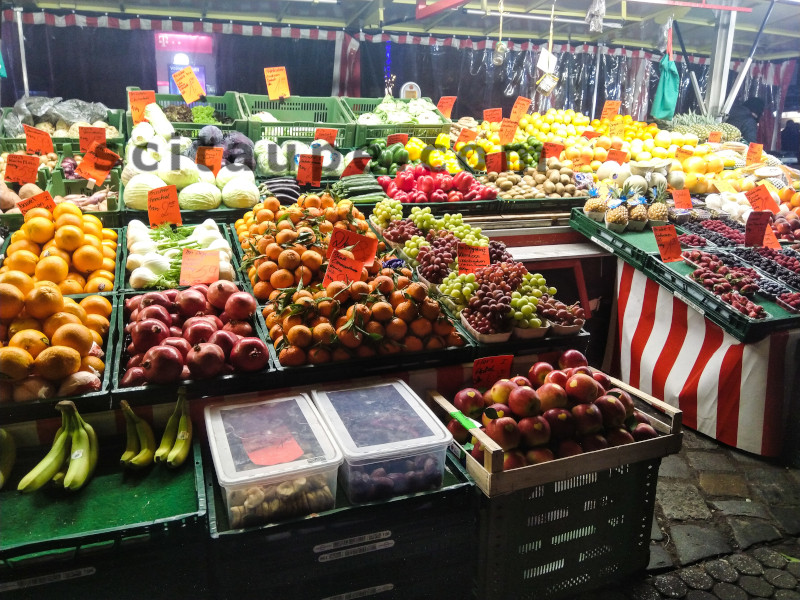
[8,454]
[177,439]
[72,458]
[140,445]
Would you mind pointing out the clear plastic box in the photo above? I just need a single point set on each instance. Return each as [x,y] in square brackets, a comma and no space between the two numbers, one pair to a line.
[275,459]
[392,443]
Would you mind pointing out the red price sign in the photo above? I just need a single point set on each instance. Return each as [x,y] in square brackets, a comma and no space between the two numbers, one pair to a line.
[493,115]
[682,154]
[489,369]
[471,258]
[97,163]
[37,141]
[770,241]
[756,226]
[309,169]
[617,156]
[610,109]
[682,198]
[326,133]
[397,138]
[277,82]
[277,452]
[589,134]
[754,152]
[188,85]
[551,149]
[466,136]
[355,166]
[42,200]
[714,137]
[342,268]
[445,105]
[138,100]
[90,135]
[496,161]
[617,129]
[163,207]
[21,168]
[362,247]
[760,199]
[520,108]
[668,244]
[199,266]
[508,129]
[210,157]
[579,161]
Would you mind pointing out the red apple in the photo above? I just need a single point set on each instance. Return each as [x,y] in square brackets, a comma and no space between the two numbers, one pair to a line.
[581,389]
[551,395]
[568,448]
[538,372]
[513,460]
[619,436]
[495,411]
[505,432]
[602,379]
[500,390]
[624,397]
[477,448]
[592,442]
[470,402]
[524,402]
[521,381]
[572,358]
[557,377]
[588,418]
[644,431]
[584,370]
[562,423]
[613,411]
[460,433]
[535,456]
[534,431]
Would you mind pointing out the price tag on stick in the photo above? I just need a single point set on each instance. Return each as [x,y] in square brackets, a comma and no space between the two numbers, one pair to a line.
[617,128]
[43,200]
[715,137]
[551,149]
[210,157]
[617,156]
[37,141]
[90,135]
[97,163]
[493,115]
[760,199]
[668,244]
[466,135]
[471,258]
[682,154]
[496,161]
[520,108]
[356,166]
[363,247]
[309,169]
[756,226]
[188,85]
[199,266]
[487,370]
[327,134]
[754,152]
[682,198]
[163,207]
[342,268]
[610,109]
[277,82]
[138,100]
[589,134]
[445,105]
[770,241]
[508,129]
[22,168]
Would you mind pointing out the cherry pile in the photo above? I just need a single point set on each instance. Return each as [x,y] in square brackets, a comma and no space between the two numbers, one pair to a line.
[792,300]
[768,265]
[559,313]
[710,236]
[498,252]
[724,279]
[692,240]
[730,231]
[744,306]
[401,231]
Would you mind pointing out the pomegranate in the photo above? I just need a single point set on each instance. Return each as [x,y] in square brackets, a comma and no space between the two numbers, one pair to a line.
[200,318]
[180,343]
[205,360]
[130,349]
[162,364]
[190,302]
[240,305]
[148,333]
[225,340]
[249,354]
[132,304]
[200,287]
[214,319]
[185,373]
[177,319]
[155,311]
[159,298]
[219,291]
[134,361]
[129,326]
[171,295]
[134,316]
[242,328]
[175,331]
[133,377]
[198,331]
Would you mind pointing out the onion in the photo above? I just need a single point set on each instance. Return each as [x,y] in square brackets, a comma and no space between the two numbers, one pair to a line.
[249,354]
[180,343]
[190,302]
[241,328]
[162,364]
[148,333]
[133,377]
[155,311]
[33,388]
[78,383]
[205,360]
[219,292]
[198,331]
[225,340]
[240,305]
[159,298]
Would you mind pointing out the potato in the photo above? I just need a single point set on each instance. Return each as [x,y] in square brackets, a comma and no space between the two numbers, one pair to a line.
[8,199]
[539,178]
[559,188]
[549,187]
[565,179]
[29,190]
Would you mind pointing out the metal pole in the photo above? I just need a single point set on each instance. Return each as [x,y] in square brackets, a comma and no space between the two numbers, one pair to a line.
[692,77]
[596,79]
[22,50]
[720,63]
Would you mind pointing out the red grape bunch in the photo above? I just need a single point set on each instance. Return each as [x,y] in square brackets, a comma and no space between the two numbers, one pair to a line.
[559,313]
[401,231]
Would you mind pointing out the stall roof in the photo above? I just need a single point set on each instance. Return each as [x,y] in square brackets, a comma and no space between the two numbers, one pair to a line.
[629,23]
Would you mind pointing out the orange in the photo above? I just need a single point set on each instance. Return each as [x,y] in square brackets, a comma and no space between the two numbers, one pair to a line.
[70,286]
[73,308]
[22,260]
[92,240]
[91,227]
[23,245]
[109,264]
[39,229]
[57,362]
[101,273]
[55,321]
[109,252]
[98,284]
[20,280]
[87,259]
[15,364]
[69,237]
[38,211]
[12,301]
[96,305]
[109,234]
[56,251]
[67,208]
[98,323]
[43,301]
[98,339]
[68,219]
[52,268]
[19,235]
[21,323]
[74,335]
[795,200]
[92,364]
[30,340]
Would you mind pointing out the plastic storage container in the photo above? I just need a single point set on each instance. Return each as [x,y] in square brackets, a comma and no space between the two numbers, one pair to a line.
[392,443]
[274,459]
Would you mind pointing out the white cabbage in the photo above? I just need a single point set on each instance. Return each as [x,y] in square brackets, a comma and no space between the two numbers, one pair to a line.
[135,193]
[230,172]
[200,196]
[179,171]
[240,193]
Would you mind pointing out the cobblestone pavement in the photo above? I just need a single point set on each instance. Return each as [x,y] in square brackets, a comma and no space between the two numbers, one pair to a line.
[726,526]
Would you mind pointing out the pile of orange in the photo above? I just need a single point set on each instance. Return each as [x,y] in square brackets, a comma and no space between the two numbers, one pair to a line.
[66,247]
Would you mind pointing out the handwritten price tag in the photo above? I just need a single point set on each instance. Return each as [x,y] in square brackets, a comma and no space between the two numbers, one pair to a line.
[715,137]
[90,135]
[496,161]
[37,141]
[397,138]
[309,169]
[97,163]
[326,133]
[770,241]
[755,228]
[682,198]
[210,157]
[668,244]
[550,149]
[199,266]
[682,154]
[487,370]
[760,199]
[138,100]
[342,268]
[43,200]
[363,247]
[754,152]
[163,207]
[471,258]
[188,85]
[589,134]
[508,129]
[277,82]
[579,162]
[21,168]
[617,128]
[617,156]
[281,452]
[466,136]
[445,105]
[610,109]
[493,115]
[355,166]
[520,108]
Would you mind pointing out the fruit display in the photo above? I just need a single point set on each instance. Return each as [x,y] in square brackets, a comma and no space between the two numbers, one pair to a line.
[550,412]
[556,182]
[155,255]
[417,184]
[700,126]
[691,240]
[790,301]
[52,346]
[786,229]
[140,442]
[772,262]
[724,279]
[66,247]
[559,313]
[195,333]
[48,161]
[386,211]
[523,152]
[72,458]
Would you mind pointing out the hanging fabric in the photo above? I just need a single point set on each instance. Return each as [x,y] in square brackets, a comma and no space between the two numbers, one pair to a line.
[666,97]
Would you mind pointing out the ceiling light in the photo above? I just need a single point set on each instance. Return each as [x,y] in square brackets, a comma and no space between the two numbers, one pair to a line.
[511,15]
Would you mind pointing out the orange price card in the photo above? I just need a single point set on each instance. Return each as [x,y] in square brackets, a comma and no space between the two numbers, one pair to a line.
[471,258]
[210,157]
[466,136]
[445,105]
[715,137]
[682,198]
[760,199]
[138,100]
[199,266]
[668,244]
[617,156]
[681,154]
[326,133]
[162,206]
[770,240]
[579,161]
[342,268]
[37,141]
[551,149]
[188,85]
[397,138]
[277,82]
[610,109]
[89,135]
[22,168]
[362,247]
[756,227]
[589,134]
[356,166]
[617,128]
[309,169]
[42,200]
[754,152]
[489,369]
[520,108]
[496,161]
[493,115]
[508,129]
[97,163]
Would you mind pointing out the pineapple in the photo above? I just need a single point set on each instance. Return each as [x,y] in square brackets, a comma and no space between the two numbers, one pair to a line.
[595,205]
[658,209]
[638,213]
[618,215]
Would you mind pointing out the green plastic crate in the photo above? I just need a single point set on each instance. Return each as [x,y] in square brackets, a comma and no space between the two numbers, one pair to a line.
[114,117]
[364,134]
[60,186]
[14,220]
[227,105]
[298,117]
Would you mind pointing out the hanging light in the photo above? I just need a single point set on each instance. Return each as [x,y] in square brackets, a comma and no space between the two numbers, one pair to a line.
[500,50]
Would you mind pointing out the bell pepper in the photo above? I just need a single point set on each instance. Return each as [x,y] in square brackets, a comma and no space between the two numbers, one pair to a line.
[462,182]
[420,197]
[401,196]
[391,189]
[375,148]
[405,180]
[443,182]
[488,193]
[393,169]
[438,196]
[384,181]
[414,152]
[400,155]
[455,196]
[426,184]
[443,140]
[472,194]
[385,159]
[421,170]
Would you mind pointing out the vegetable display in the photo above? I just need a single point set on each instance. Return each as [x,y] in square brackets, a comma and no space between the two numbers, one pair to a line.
[393,111]
[417,184]
[274,160]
